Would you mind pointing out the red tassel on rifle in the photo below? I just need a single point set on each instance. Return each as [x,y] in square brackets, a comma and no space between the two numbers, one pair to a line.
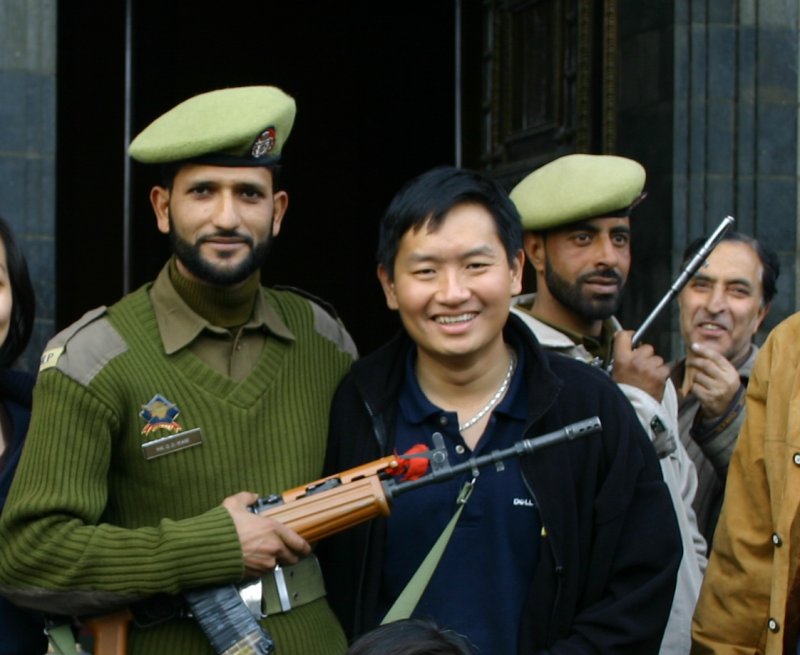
[412,464]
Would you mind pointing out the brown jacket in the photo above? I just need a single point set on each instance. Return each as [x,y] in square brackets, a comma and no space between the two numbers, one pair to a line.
[750,597]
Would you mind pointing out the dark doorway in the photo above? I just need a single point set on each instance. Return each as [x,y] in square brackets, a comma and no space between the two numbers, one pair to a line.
[374,84]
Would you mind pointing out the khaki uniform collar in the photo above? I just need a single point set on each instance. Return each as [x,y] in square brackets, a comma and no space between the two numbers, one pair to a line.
[179,326]
[601,347]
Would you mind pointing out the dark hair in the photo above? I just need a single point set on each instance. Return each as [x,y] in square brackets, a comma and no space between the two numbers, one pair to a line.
[427,198]
[410,637]
[22,299]
[769,260]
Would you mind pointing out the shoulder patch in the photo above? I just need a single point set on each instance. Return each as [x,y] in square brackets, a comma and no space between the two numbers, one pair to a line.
[55,347]
[81,350]
[332,329]
[316,300]
[326,321]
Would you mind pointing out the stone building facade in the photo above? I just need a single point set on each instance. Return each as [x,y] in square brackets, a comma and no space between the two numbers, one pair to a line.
[703,92]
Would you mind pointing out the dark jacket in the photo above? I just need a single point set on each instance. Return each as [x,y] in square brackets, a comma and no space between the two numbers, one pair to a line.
[20,630]
[606,575]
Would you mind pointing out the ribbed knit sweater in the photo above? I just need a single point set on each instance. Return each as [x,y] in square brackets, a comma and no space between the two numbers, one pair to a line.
[91,524]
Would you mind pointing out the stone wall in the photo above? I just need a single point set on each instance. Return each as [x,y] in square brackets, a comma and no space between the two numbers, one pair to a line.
[27,147]
[709,103]
[735,130]
[644,133]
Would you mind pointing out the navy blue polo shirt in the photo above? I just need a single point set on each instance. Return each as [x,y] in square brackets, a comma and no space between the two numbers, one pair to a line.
[483,579]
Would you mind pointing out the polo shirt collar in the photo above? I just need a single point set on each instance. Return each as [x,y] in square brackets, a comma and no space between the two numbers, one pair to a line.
[417,408]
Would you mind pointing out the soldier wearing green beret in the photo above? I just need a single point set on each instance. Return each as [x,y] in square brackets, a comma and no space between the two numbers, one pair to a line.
[576,212]
[160,419]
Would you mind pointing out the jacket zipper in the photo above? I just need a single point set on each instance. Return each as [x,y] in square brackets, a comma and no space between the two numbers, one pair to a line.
[559,568]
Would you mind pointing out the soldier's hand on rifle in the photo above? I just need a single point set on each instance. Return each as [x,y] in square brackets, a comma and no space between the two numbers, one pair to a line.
[639,367]
[714,380]
[265,542]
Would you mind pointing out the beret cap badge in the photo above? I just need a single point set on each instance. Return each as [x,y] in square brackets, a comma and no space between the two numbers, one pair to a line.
[264,143]
[237,126]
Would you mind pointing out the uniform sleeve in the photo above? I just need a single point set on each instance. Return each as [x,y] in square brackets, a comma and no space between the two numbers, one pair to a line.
[58,554]
[660,421]
[732,610]
[686,474]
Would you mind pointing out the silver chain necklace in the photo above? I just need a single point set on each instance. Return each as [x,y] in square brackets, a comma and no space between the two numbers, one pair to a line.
[512,364]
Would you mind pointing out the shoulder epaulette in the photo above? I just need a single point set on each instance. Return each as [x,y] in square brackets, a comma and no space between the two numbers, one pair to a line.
[84,348]
[309,296]
[326,320]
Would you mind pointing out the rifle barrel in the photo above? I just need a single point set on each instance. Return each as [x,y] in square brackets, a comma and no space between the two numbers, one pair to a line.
[685,275]
[523,447]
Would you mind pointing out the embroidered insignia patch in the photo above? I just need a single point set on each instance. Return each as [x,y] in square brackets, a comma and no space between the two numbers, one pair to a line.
[160,414]
[50,358]
[264,143]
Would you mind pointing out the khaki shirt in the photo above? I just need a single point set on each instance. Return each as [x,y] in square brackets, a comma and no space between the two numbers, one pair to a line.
[232,353]
[600,347]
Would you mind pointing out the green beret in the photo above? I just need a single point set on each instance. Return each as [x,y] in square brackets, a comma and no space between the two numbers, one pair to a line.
[577,187]
[244,126]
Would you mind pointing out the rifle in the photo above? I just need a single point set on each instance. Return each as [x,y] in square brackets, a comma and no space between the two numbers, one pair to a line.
[323,508]
[110,632]
[685,275]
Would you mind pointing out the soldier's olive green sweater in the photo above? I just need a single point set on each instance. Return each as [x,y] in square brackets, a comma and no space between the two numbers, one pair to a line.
[91,524]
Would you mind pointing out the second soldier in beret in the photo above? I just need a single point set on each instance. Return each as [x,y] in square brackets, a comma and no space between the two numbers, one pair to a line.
[160,419]
[576,212]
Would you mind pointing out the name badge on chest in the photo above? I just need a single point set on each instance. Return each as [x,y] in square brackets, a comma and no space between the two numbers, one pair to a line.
[172,443]
[162,414]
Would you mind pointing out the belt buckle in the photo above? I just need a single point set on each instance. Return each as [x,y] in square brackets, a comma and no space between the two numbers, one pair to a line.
[283,590]
[288,587]
[252,596]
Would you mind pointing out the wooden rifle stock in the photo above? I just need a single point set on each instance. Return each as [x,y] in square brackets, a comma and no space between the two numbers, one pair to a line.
[341,501]
[315,517]
[358,496]
[335,503]
[110,632]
